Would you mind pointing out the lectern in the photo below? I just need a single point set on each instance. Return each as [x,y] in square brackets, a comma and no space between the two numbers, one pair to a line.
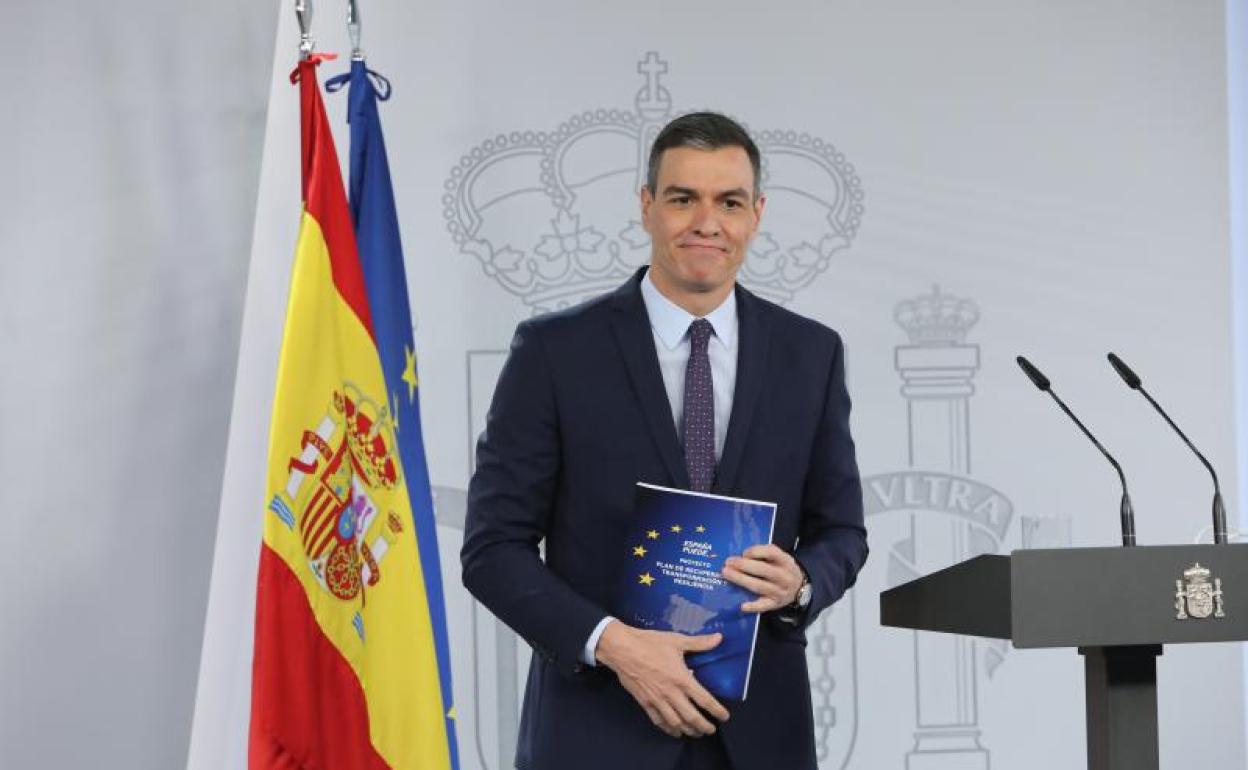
[1117,606]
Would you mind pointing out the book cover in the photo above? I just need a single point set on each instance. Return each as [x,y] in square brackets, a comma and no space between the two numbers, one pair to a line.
[672,577]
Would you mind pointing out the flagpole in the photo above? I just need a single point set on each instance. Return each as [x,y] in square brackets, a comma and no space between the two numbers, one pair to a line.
[303,12]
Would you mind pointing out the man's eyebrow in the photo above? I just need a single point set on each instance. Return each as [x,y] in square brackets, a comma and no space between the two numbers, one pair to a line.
[736,192]
[673,189]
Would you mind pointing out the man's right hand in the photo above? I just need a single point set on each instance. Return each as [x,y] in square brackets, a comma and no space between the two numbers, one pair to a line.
[651,666]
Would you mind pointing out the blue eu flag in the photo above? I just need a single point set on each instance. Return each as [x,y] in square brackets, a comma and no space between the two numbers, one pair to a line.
[381,253]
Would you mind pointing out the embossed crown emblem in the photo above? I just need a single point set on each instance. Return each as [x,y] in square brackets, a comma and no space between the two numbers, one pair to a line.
[552,215]
[936,318]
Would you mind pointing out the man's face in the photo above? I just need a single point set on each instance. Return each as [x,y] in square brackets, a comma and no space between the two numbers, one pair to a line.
[700,218]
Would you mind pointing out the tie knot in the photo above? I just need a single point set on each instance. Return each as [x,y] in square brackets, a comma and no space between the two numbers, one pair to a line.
[700,332]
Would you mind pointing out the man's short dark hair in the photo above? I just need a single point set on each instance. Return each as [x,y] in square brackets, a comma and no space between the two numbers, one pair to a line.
[703,131]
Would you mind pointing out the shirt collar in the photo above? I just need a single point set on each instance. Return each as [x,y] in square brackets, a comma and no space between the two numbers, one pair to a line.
[671,321]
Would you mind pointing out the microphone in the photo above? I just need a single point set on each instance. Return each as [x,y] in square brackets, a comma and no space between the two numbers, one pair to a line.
[1219,510]
[1125,511]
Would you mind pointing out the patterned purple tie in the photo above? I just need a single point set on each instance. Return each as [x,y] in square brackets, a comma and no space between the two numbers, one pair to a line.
[699,417]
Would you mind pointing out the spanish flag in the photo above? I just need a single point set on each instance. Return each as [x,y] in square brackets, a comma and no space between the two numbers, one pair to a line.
[345,674]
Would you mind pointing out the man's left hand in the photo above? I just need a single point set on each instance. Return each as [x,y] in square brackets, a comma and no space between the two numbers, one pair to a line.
[767,571]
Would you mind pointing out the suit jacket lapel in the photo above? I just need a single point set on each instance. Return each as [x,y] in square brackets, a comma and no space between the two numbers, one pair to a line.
[636,341]
[755,331]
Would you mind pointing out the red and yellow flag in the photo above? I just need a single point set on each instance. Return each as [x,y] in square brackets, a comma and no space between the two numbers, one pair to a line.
[345,673]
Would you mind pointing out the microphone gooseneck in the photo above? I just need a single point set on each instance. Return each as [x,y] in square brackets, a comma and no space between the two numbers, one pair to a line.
[1219,509]
[1126,512]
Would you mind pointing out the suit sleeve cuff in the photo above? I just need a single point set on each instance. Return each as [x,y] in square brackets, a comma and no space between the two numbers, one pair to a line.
[591,645]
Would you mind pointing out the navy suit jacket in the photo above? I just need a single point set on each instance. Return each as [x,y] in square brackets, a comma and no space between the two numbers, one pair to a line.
[579,416]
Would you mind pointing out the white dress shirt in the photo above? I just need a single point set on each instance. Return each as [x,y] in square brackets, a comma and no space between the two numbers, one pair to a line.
[670,324]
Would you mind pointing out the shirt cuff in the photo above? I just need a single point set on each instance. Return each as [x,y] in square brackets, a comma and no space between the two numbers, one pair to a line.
[587,654]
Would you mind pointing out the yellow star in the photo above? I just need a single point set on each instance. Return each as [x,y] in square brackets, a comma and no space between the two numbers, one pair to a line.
[451,714]
[653,534]
[645,579]
[639,551]
[409,373]
[676,528]
[701,528]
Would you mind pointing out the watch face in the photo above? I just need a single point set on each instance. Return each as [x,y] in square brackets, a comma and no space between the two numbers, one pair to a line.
[803,595]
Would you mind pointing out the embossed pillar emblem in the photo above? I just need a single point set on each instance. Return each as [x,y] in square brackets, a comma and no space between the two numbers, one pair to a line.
[936,369]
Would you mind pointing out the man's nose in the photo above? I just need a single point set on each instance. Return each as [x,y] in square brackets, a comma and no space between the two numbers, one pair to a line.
[706,221]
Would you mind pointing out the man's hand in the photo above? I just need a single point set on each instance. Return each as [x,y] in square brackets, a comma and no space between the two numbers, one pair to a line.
[769,572]
[651,666]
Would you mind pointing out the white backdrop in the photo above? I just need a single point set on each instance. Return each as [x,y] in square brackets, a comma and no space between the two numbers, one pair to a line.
[1059,172]
[129,161]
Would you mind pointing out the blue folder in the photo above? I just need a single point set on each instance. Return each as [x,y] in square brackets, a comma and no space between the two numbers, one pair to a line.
[672,576]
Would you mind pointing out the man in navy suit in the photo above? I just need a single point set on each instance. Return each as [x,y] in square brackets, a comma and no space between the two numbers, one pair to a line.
[679,378]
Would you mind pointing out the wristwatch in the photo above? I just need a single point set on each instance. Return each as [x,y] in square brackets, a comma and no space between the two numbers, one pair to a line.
[804,593]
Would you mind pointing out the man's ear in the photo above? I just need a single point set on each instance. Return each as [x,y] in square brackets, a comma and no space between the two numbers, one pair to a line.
[647,200]
[760,203]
